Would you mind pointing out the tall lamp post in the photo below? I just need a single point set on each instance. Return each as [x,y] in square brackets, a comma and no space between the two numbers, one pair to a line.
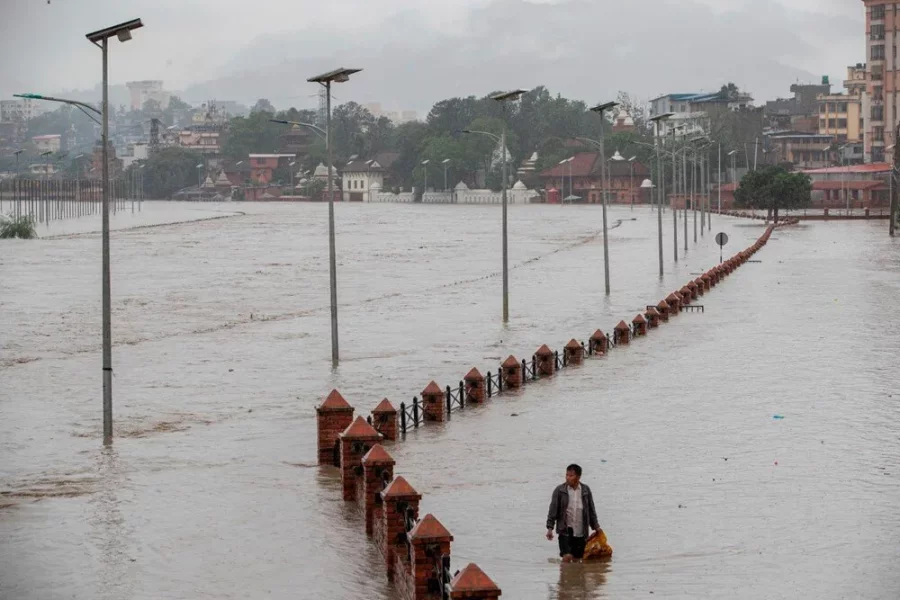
[600,109]
[562,177]
[631,178]
[101,39]
[657,121]
[199,178]
[445,162]
[425,171]
[291,165]
[503,98]
[325,80]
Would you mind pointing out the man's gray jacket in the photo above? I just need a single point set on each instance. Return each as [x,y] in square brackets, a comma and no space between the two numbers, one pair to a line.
[560,502]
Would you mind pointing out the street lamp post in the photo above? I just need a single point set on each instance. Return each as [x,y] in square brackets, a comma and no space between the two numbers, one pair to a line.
[101,39]
[675,193]
[503,98]
[18,208]
[445,162]
[600,109]
[631,178]
[326,79]
[657,121]
[291,165]
[199,179]
[562,178]
[425,171]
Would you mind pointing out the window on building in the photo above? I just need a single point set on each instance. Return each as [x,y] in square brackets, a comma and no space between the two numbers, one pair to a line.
[878,12]
[823,123]
[842,123]
[878,113]
[823,107]
[842,107]
[877,32]
[877,52]
[878,133]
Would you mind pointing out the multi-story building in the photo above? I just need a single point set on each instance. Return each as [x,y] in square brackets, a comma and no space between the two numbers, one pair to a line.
[263,166]
[47,143]
[19,111]
[840,116]
[882,30]
[141,91]
[691,112]
[800,113]
[803,150]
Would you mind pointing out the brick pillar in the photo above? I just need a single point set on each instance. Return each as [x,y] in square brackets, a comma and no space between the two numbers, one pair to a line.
[622,334]
[599,342]
[698,285]
[574,353]
[378,471]
[433,403]
[390,534]
[640,325]
[686,295]
[333,416]
[545,362]
[384,419]
[430,541]
[674,303]
[653,318]
[692,286]
[356,440]
[663,309]
[474,386]
[511,371]
[472,584]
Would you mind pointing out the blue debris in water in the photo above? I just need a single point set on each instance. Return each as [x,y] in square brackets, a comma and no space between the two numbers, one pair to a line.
[777,417]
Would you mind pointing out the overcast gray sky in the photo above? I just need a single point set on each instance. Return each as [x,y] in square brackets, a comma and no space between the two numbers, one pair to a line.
[416,52]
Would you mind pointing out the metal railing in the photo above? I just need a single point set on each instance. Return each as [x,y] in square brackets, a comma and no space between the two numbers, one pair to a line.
[49,200]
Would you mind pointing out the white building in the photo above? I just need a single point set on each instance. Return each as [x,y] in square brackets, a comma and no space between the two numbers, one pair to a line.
[138,151]
[47,143]
[359,177]
[690,110]
[20,110]
[141,91]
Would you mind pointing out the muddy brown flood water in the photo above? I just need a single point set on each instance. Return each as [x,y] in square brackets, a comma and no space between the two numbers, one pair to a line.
[222,352]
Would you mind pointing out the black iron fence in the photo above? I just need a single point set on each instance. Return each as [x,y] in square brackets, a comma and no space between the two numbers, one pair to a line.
[55,199]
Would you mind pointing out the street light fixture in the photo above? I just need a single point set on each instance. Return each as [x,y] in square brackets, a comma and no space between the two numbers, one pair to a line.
[657,121]
[563,180]
[425,171]
[600,109]
[631,178]
[445,162]
[100,39]
[325,80]
[503,98]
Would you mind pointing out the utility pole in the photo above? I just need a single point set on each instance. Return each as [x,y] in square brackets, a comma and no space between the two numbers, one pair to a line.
[894,217]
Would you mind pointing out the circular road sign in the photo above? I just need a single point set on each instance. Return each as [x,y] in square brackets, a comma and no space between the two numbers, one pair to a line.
[721,238]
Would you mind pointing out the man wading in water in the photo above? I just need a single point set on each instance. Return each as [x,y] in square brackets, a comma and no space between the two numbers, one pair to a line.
[572,511]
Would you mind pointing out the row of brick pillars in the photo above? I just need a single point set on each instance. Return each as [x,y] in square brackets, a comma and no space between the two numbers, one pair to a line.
[412,556]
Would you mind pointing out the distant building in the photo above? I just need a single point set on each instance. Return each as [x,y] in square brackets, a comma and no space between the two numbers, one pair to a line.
[296,140]
[803,150]
[582,178]
[623,122]
[46,169]
[47,143]
[861,185]
[204,142]
[263,166]
[799,113]
[359,178]
[115,164]
[840,117]
[136,152]
[397,117]
[19,111]
[141,91]
[691,111]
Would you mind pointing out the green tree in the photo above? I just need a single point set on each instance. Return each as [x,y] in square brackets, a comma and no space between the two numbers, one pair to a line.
[263,106]
[170,170]
[773,189]
[252,134]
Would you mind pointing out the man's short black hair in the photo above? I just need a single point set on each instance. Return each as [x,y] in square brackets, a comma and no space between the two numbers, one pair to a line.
[574,468]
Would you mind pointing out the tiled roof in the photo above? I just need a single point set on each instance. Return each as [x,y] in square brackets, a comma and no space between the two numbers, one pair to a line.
[850,169]
[582,166]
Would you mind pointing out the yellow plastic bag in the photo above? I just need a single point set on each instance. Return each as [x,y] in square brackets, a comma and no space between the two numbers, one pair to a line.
[597,547]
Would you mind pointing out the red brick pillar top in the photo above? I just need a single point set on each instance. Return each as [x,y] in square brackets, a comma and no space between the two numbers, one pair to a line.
[686,295]
[333,416]
[430,541]
[622,333]
[356,441]
[433,402]
[674,303]
[600,342]
[378,468]
[640,325]
[545,362]
[652,316]
[472,584]
[384,417]
[699,286]
[474,385]
[511,370]
[574,352]
[692,286]
[664,310]
[393,521]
